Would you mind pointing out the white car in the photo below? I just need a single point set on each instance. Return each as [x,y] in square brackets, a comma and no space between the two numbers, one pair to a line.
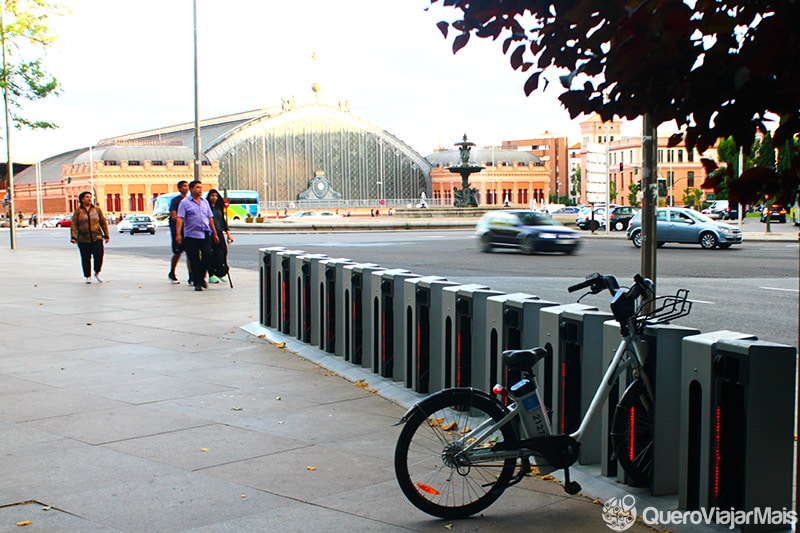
[125,225]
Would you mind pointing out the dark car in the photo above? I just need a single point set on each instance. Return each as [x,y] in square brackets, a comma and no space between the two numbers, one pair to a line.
[775,212]
[143,224]
[621,217]
[530,231]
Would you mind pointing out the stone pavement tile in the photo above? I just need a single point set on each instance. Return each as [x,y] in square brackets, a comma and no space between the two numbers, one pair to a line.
[206,446]
[172,500]
[10,385]
[255,408]
[384,501]
[314,385]
[300,519]
[115,424]
[288,474]
[14,436]
[143,387]
[151,359]
[328,423]
[44,518]
[52,403]
[72,372]
[34,340]
[49,469]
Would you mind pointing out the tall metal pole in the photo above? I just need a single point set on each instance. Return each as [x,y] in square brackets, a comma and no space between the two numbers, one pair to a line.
[649,197]
[608,180]
[197,161]
[9,165]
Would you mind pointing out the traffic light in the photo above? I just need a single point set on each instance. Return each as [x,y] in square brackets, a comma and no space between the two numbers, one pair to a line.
[620,166]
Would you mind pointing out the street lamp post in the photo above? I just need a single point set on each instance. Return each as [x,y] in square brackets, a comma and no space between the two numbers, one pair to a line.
[197,161]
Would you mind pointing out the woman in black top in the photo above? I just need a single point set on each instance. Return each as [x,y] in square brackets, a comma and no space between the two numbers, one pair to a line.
[220,251]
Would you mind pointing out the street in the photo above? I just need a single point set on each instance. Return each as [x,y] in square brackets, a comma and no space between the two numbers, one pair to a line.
[751,288]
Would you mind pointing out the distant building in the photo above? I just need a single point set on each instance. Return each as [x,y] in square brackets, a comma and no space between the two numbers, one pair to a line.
[553,151]
[124,176]
[678,168]
[276,151]
[518,177]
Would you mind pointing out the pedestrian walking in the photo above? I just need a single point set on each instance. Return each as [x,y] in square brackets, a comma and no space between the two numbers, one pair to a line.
[89,230]
[177,249]
[195,232]
[219,252]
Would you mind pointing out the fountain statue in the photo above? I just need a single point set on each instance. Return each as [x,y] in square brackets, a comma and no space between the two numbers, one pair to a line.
[467,196]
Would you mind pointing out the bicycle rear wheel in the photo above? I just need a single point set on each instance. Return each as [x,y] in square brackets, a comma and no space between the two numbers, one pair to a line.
[632,433]
[430,469]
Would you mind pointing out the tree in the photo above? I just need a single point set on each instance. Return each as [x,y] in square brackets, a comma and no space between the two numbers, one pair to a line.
[575,179]
[633,194]
[612,191]
[23,35]
[717,68]
[692,196]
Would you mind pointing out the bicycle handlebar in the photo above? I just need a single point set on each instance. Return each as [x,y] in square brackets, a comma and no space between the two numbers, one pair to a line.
[597,283]
[583,284]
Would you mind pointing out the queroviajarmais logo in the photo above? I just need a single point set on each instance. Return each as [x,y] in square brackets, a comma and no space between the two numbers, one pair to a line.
[620,513]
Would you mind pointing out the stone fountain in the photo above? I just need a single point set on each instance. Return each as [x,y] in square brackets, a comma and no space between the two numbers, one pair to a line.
[467,196]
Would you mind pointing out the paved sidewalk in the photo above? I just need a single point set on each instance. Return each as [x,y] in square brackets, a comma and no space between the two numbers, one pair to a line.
[136,405]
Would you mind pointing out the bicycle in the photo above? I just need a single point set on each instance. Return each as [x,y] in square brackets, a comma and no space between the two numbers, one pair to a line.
[459,448]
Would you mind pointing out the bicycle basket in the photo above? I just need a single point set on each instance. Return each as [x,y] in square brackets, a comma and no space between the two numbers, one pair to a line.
[665,308]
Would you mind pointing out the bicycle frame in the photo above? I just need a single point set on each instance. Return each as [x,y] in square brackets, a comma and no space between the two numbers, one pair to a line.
[631,345]
[615,369]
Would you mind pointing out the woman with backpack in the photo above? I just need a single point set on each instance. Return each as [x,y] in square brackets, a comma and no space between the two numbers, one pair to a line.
[219,252]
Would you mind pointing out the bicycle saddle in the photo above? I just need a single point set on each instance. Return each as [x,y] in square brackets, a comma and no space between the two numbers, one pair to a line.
[524,358]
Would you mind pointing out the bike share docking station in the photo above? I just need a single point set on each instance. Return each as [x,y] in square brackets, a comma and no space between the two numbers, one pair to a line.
[268,307]
[663,364]
[424,328]
[306,268]
[332,331]
[512,323]
[737,424]
[285,289]
[358,313]
[464,354]
[577,369]
[323,300]
[386,299]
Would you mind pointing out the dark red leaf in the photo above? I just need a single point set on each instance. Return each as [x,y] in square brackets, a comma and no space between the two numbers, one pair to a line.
[516,57]
[709,165]
[532,83]
[674,140]
[460,42]
[443,27]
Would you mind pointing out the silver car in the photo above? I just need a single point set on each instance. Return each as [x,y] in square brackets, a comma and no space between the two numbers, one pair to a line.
[681,225]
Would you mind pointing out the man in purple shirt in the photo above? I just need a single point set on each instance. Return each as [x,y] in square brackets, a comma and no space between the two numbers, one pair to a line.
[195,230]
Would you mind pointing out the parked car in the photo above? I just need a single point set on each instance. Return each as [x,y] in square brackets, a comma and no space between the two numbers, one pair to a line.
[681,225]
[126,225]
[584,219]
[723,210]
[621,217]
[143,224]
[57,222]
[530,231]
[309,215]
[568,210]
[775,212]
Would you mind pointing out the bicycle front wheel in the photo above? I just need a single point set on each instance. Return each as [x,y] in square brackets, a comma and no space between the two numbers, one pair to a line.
[430,468]
[632,433]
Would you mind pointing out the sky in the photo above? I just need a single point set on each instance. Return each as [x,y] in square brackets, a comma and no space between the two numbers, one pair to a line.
[126,67]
